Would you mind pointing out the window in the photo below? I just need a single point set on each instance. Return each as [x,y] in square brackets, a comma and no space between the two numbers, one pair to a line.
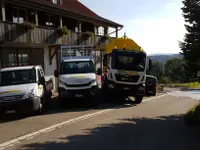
[19,15]
[57,1]
[12,59]
[18,59]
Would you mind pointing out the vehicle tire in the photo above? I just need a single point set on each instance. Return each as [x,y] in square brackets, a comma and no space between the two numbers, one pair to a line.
[62,102]
[138,99]
[154,91]
[1,115]
[105,93]
[94,101]
[40,109]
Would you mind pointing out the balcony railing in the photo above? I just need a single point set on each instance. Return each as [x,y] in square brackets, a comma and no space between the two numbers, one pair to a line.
[11,32]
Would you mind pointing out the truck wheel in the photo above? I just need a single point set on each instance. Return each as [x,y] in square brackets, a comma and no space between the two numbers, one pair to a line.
[138,99]
[154,91]
[93,101]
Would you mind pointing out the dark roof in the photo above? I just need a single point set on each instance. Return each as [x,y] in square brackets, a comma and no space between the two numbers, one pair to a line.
[77,7]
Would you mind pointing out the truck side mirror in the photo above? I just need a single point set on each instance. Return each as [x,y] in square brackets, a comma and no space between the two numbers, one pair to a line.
[150,64]
[99,71]
[56,73]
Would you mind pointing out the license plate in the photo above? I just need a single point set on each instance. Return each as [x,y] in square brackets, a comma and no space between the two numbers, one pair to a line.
[126,88]
[79,95]
[10,111]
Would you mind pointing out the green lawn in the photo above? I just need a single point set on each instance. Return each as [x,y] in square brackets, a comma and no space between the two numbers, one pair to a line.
[187,85]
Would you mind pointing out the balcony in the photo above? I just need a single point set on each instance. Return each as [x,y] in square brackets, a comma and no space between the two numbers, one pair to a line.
[15,33]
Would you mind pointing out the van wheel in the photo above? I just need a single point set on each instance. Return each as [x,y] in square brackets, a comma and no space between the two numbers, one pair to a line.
[39,111]
[1,115]
[138,99]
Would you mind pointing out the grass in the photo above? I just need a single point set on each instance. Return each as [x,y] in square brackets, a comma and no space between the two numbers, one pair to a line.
[187,85]
[192,117]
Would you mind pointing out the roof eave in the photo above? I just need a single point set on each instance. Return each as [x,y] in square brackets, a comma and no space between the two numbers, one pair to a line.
[89,18]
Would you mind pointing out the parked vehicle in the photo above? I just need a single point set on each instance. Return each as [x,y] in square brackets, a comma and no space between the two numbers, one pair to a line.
[151,85]
[77,78]
[24,89]
[125,65]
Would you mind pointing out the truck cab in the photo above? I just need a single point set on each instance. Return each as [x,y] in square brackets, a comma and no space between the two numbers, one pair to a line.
[125,73]
[77,79]
[24,89]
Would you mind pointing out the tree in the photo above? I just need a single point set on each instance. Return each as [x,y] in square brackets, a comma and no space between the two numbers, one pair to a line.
[190,47]
[174,70]
[157,70]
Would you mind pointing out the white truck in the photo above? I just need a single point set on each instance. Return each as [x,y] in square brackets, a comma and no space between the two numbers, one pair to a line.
[77,79]
[23,89]
[125,65]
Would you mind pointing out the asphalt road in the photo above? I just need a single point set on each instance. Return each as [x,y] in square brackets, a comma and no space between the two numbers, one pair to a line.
[154,124]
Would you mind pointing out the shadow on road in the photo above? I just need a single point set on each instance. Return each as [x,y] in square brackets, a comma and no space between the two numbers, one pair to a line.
[166,133]
[54,107]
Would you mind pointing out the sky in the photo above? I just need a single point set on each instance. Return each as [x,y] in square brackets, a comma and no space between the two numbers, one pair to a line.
[155,25]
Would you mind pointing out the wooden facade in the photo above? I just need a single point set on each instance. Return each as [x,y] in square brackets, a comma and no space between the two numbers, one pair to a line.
[22,43]
[12,32]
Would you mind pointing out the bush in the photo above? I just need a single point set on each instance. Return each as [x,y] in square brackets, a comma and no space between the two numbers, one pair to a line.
[64,30]
[160,87]
[192,117]
[165,80]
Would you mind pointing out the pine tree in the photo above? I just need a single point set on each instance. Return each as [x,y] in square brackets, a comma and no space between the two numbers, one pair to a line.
[190,47]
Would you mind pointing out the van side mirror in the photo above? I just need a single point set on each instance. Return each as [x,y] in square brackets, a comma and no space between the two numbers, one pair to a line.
[42,81]
[99,71]
[56,73]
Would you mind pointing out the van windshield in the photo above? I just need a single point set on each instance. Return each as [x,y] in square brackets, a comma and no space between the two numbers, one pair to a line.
[77,67]
[17,77]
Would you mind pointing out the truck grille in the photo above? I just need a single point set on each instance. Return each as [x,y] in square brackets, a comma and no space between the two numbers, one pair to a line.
[124,78]
[11,98]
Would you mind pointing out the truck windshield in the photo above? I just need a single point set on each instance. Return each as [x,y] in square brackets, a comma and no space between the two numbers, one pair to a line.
[17,77]
[134,61]
[77,67]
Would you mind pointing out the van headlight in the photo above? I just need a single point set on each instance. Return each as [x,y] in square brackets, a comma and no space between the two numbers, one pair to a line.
[29,94]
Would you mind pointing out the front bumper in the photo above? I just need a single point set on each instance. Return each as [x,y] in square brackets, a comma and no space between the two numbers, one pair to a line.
[125,89]
[20,106]
[78,93]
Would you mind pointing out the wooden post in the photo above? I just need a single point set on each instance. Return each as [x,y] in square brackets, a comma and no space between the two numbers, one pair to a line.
[79,26]
[36,18]
[116,32]
[3,11]
[105,30]
[61,22]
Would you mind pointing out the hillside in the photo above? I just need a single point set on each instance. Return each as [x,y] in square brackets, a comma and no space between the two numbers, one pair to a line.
[164,57]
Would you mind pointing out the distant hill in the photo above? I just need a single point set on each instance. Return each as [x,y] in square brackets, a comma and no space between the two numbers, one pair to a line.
[164,57]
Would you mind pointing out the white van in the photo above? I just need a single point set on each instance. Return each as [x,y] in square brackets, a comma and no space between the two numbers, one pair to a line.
[77,79]
[24,89]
